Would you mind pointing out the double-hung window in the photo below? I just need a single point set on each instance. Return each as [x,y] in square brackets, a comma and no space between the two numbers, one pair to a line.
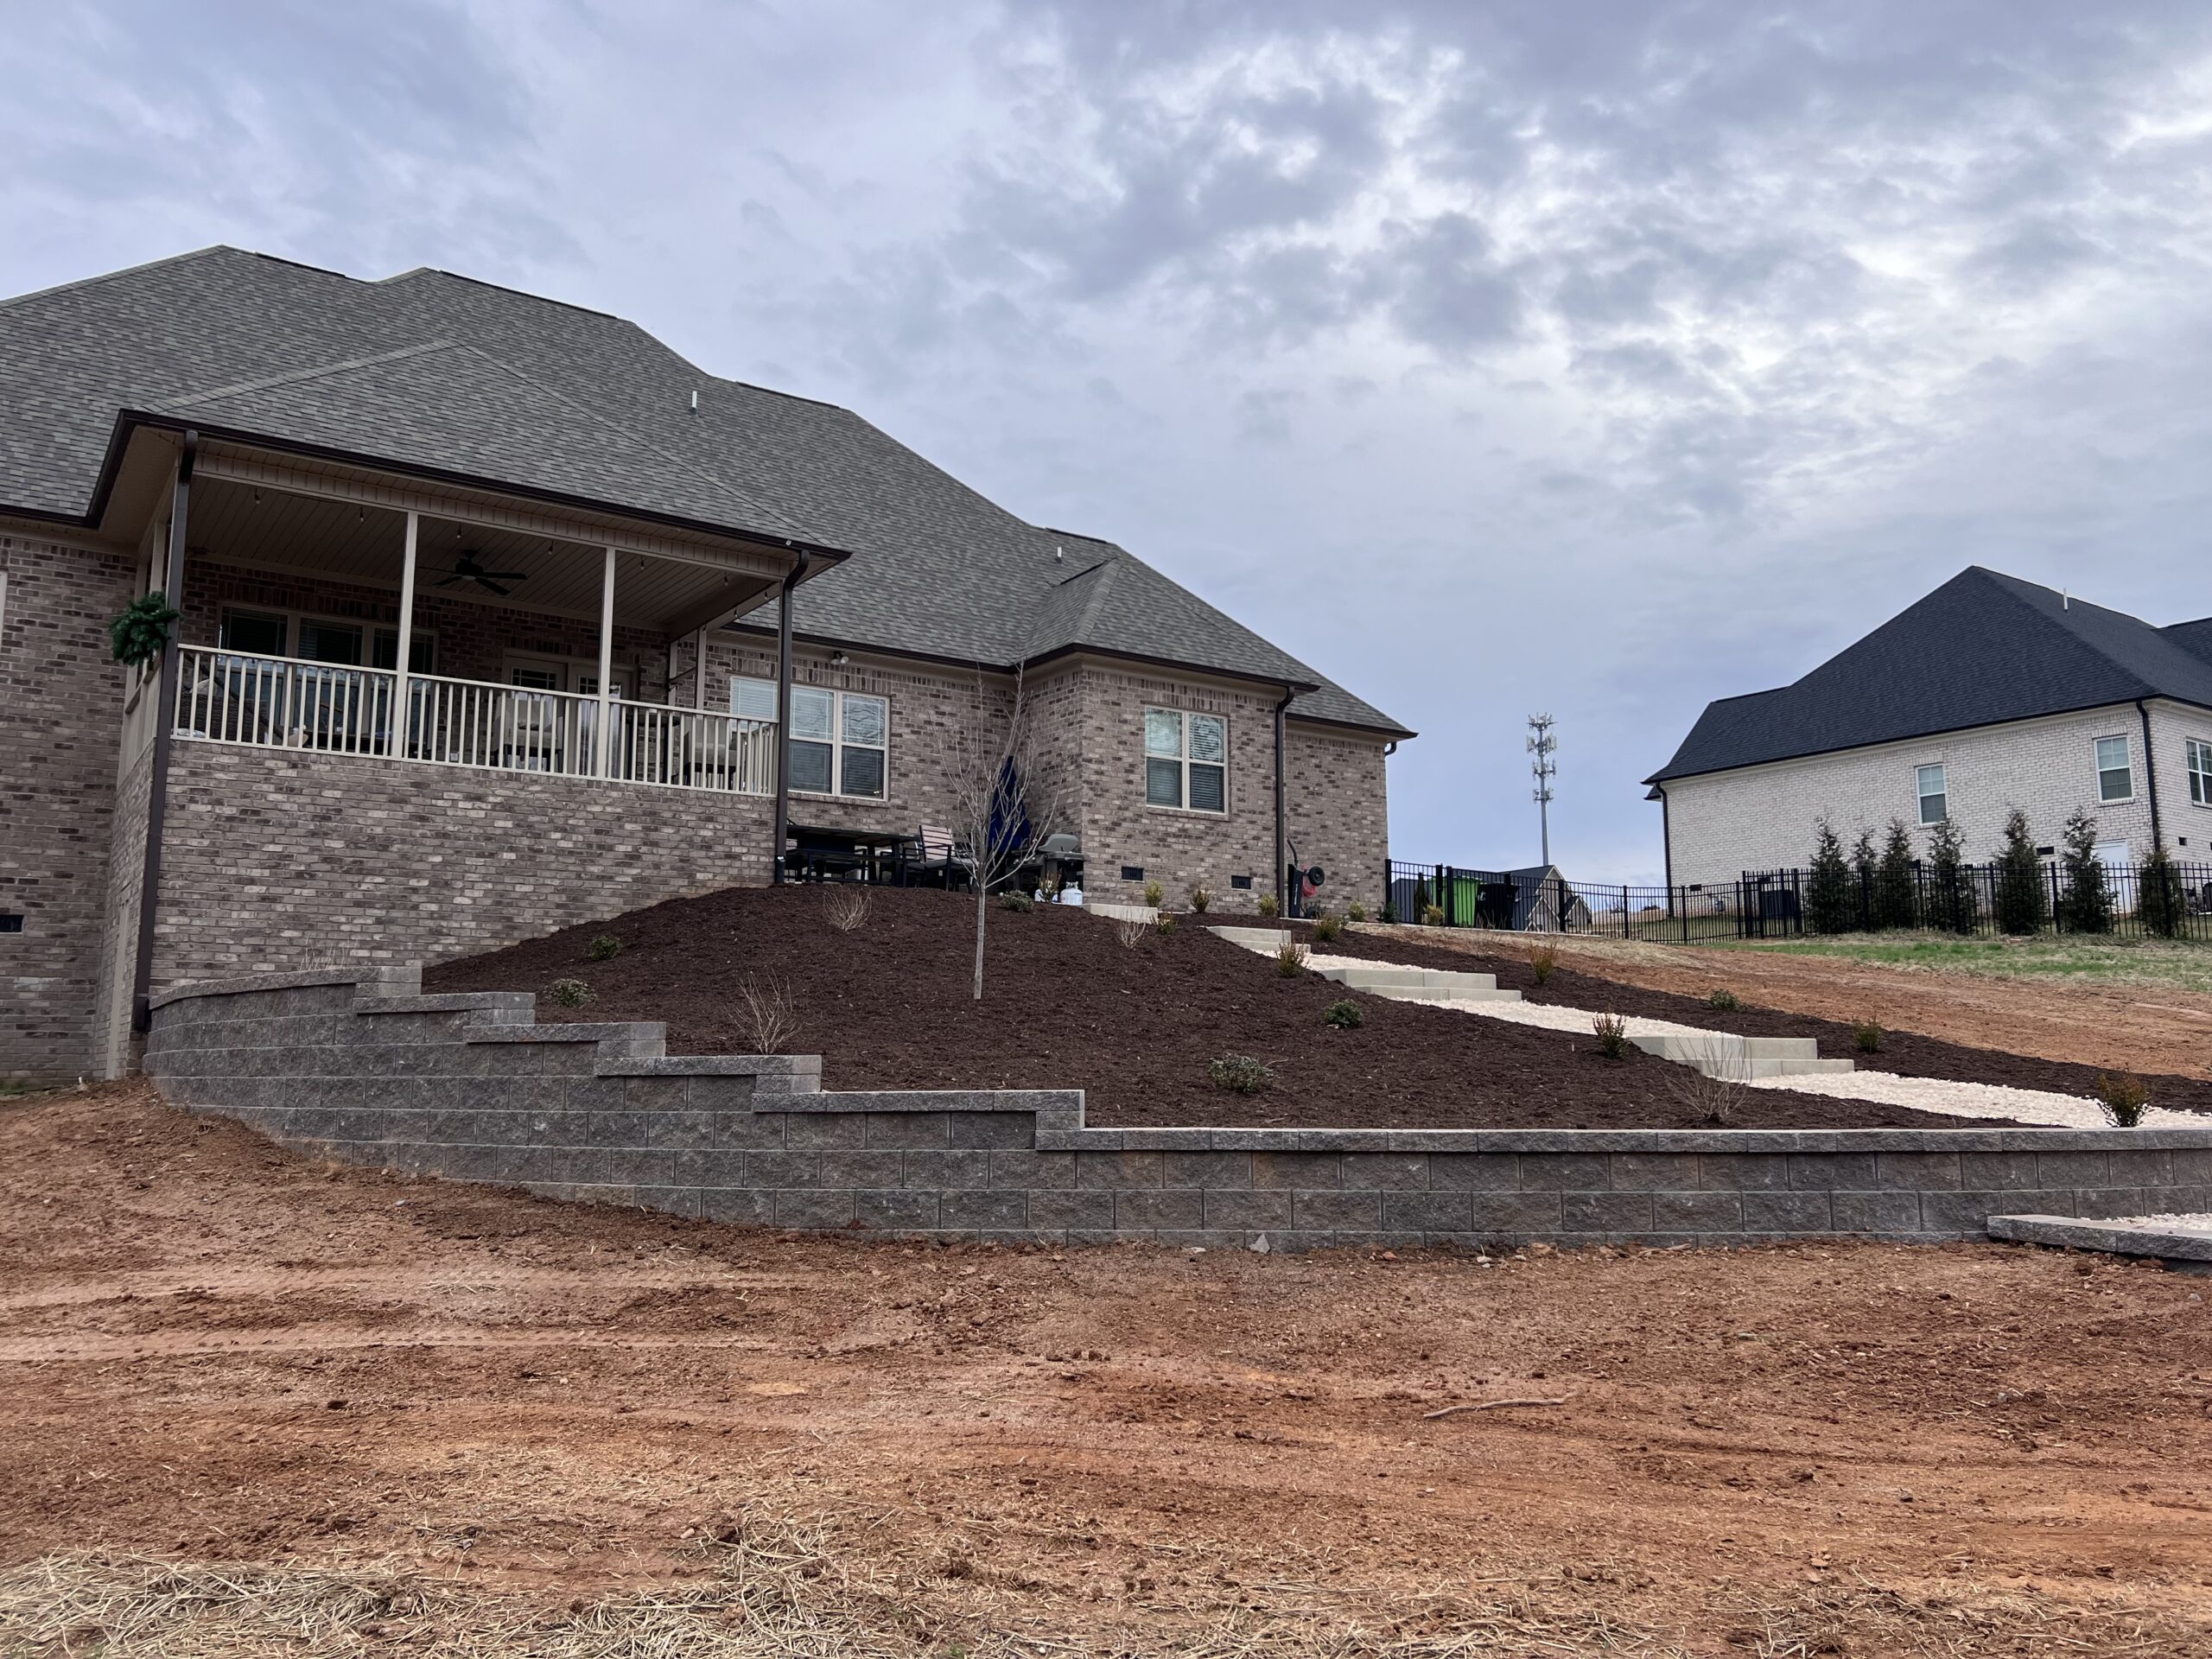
[2200,772]
[841,740]
[2115,776]
[1935,798]
[1185,760]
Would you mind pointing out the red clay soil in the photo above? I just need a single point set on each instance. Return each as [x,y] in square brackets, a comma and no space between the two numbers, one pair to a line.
[548,1418]
[1068,1005]
[1575,981]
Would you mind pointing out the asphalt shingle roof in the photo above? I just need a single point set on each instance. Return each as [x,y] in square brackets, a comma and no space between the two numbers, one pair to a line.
[1982,649]
[430,369]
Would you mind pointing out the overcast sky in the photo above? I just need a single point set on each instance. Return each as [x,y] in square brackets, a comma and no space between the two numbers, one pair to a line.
[1490,357]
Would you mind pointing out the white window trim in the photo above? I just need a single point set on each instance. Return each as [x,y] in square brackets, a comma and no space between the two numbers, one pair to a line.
[369,632]
[836,740]
[1148,757]
[2097,772]
[2203,746]
[1921,797]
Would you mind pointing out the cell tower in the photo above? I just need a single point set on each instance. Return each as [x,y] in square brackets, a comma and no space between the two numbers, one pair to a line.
[1541,746]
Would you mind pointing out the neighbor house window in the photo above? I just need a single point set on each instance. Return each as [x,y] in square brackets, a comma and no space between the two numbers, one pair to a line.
[841,740]
[1935,799]
[1185,760]
[2200,772]
[2115,777]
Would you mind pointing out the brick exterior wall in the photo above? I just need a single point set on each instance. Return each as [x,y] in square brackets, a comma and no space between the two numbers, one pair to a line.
[61,708]
[276,859]
[1763,817]
[1339,812]
[112,1051]
[469,1087]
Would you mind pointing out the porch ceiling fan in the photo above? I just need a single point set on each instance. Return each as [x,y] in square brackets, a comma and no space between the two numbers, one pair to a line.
[466,569]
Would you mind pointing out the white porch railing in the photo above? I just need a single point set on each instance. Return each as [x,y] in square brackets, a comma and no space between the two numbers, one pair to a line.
[226,696]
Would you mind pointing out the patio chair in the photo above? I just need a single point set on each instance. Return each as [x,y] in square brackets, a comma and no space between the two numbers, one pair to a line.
[939,856]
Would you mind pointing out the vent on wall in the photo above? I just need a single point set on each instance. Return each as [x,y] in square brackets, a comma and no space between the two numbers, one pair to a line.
[10,923]
[1132,872]
[1240,881]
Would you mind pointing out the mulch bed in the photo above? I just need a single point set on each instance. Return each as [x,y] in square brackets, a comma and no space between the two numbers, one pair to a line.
[1068,1005]
[1903,1053]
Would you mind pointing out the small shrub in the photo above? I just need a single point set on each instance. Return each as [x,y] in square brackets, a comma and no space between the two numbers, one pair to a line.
[569,993]
[1542,960]
[1326,929]
[1017,901]
[605,948]
[846,907]
[1724,1001]
[1154,893]
[1390,912]
[1165,925]
[1131,930]
[2124,1098]
[1612,1036]
[1290,960]
[1345,1013]
[1431,915]
[1200,898]
[1355,912]
[1241,1074]
[1867,1033]
[767,1013]
[1269,904]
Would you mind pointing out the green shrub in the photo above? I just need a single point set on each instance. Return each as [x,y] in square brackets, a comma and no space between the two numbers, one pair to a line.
[1154,893]
[1829,902]
[1165,925]
[569,993]
[1953,901]
[1345,1013]
[605,948]
[1355,912]
[1200,898]
[1018,901]
[1325,928]
[2020,897]
[1542,960]
[2124,1098]
[1725,1001]
[1612,1036]
[1431,915]
[1390,911]
[1241,1074]
[1269,904]
[2086,905]
[1867,1033]
[1290,960]
[1896,884]
[2160,899]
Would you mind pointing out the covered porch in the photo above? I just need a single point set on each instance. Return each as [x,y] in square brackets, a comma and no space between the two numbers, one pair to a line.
[327,608]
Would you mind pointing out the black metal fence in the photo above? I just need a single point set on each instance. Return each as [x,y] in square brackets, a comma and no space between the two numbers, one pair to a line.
[1980,900]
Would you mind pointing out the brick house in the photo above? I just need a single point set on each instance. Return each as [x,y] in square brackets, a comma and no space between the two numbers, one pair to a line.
[1990,693]
[638,619]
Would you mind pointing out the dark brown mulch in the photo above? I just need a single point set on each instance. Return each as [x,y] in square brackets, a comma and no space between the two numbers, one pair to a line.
[1068,1005]
[1903,1052]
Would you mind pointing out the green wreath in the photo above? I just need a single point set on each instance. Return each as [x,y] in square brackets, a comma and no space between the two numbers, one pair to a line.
[140,633]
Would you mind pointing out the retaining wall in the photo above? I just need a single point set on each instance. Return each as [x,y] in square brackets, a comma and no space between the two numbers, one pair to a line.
[369,1070]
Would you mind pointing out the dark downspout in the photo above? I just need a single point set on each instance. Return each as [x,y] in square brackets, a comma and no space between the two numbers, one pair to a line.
[1282,822]
[157,784]
[779,848]
[1666,842]
[2150,771]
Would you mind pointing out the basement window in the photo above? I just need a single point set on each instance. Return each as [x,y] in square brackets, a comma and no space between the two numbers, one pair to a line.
[1935,796]
[2116,776]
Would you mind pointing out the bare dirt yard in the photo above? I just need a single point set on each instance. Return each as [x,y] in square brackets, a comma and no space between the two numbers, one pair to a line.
[2162,1029]
[250,1404]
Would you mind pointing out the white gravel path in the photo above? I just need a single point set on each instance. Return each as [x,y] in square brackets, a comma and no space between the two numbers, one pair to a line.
[1922,1094]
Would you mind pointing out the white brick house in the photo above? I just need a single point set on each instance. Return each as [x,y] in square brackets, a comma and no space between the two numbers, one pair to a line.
[1990,694]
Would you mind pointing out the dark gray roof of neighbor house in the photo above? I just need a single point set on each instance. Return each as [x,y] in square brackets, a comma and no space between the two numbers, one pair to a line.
[1982,649]
[432,371]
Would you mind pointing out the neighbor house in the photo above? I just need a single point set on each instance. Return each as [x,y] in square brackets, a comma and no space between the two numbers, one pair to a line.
[1990,694]
[495,612]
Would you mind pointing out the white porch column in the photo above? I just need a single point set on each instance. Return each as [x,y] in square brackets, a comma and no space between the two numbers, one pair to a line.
[699,668]
[402,712]
[607,669]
